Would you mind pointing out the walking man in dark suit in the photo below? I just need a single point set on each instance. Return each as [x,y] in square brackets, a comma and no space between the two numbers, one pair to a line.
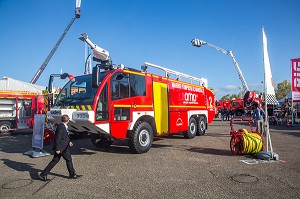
[61,149]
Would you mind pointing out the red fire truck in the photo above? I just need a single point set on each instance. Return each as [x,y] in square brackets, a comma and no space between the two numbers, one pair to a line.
[240,108]
[116,103]
[237,106]
[222,103]
[16,107]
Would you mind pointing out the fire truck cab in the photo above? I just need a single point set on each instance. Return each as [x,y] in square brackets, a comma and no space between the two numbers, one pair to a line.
[118,103]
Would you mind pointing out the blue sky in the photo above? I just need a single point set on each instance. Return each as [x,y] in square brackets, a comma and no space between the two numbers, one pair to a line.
[155,31]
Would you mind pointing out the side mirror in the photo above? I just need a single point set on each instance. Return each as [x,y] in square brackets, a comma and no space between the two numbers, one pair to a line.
[50,84]
[64,76]
[95,76]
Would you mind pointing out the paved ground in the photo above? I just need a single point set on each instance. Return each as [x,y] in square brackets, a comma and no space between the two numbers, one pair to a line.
[202,167]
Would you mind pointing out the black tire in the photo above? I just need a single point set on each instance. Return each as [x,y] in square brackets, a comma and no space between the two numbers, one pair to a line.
[236,146]
[5,126]
[100,141]
[191,133]
[201,126]
[140,139]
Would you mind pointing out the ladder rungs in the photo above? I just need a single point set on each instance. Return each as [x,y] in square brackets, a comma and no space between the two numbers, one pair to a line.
[178,74]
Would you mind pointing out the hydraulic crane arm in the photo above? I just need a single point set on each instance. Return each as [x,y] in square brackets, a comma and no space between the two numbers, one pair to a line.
[199,43]
[100,54]
[41,69]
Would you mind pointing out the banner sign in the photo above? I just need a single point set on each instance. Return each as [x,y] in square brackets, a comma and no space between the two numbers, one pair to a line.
[38,131]
[296,79]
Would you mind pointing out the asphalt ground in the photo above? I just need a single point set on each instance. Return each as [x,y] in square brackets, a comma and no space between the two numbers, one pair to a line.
[174,167]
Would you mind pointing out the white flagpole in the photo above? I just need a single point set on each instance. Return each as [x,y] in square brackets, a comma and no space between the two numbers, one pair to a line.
[265,88]
[266,112]
[269,93]
[266,61]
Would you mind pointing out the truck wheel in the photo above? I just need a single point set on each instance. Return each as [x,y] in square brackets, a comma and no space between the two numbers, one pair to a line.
[191,133]
[5,126]
[140,138]
[201,126]
[100,141]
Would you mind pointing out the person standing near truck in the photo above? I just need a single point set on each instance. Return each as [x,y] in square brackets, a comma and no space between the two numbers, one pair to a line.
[258,116]
[61,149]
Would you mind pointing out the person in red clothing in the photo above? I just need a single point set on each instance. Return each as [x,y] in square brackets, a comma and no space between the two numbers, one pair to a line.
[61,149]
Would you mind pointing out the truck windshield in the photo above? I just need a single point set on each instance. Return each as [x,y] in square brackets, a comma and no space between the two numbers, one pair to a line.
[78,91]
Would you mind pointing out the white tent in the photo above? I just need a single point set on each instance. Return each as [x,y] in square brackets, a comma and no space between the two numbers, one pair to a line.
[10,84]
[288,96]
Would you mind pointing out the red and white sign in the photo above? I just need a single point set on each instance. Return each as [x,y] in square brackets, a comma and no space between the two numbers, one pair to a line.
[296,79]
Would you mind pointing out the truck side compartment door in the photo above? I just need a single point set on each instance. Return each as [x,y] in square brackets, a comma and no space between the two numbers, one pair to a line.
[161,112]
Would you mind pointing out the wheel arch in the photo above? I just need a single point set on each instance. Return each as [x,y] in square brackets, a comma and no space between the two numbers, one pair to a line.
[6,125]
[145,118]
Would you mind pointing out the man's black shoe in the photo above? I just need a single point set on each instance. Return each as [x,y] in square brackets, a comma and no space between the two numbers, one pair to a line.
[74,176]
[43,178]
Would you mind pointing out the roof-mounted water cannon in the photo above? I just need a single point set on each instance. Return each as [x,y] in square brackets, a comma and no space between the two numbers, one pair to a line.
[100,54]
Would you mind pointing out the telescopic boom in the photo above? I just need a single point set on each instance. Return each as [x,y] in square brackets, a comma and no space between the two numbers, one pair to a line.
[45,63]
[199,43]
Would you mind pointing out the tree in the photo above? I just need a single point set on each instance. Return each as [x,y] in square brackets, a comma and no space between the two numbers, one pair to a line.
[283,88]
[230,97]
[226,97]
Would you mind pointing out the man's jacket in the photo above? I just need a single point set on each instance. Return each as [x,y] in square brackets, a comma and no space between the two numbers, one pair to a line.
[62,139]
